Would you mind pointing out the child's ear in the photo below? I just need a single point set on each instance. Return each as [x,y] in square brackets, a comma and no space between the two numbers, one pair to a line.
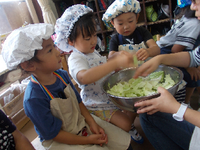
[137,17]
[112,22]
[28,66]
[70,42]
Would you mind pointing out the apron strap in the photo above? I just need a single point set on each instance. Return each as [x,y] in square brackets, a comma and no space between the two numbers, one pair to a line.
[44,89]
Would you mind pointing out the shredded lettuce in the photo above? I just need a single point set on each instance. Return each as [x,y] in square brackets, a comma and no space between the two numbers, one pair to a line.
[142,86]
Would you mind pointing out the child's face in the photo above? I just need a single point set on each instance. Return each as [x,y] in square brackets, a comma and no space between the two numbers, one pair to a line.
[196,7]
[49,57]
[85,44]
[125,23]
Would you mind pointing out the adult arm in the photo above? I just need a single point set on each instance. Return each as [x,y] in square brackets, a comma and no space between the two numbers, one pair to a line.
[168,104]
[181,59]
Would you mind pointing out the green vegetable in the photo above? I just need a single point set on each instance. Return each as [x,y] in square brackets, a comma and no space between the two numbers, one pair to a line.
[135,61]
[142,86]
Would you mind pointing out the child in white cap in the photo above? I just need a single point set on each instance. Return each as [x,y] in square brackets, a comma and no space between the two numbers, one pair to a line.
[123,15]
[51,101]
[76,29]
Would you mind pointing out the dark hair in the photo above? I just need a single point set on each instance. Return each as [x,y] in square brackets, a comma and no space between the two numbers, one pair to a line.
[187,12]
[86,25]
[33,59]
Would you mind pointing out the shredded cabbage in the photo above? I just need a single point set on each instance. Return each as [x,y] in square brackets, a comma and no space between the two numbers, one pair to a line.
[142,86]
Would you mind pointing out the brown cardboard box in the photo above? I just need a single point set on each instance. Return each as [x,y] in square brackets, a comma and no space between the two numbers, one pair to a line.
[16,104]
[19,119]
[14,108]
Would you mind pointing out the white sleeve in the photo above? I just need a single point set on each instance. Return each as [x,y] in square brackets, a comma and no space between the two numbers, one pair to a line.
[195,57]
[188,33]
[76,63]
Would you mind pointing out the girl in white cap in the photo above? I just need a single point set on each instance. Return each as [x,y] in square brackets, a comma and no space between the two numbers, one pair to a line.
[123,15]
[76,30]
[51,101]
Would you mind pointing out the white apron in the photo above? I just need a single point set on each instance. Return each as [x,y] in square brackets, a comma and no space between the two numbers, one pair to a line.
[92,94]
[133,49]
[69,112]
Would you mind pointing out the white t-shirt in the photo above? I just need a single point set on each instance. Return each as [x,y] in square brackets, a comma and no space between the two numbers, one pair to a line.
[92,94]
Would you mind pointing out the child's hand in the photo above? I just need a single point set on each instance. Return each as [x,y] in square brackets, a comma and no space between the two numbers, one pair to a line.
[164,103]
[194,73]
[96,129]
[97,139]
[124,59]
[142,54]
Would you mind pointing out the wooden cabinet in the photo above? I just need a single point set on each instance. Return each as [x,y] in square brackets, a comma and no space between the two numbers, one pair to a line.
[143,21]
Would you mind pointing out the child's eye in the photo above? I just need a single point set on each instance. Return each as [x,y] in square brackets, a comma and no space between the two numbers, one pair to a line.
[120,24]
[87,39]
[49,51]
[130,21]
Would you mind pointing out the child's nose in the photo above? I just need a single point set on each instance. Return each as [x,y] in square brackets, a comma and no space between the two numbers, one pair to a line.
[94,40]
[126,26]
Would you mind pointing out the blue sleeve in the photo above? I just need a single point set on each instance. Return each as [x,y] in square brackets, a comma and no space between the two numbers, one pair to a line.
[37,108]
[195,57]
[65,74]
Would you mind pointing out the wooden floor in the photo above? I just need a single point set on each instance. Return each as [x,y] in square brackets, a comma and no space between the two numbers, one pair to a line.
[29,131]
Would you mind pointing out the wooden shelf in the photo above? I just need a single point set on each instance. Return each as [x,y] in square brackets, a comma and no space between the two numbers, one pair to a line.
[142,20]
[159,21]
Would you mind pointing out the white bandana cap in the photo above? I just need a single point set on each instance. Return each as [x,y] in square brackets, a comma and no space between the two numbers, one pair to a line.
[65,24]
[21,44]
[120,6]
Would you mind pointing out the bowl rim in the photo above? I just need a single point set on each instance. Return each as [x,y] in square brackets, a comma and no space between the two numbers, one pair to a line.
[142,97]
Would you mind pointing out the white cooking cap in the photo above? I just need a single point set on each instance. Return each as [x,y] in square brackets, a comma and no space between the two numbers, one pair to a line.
[21,44]
[65,24]
[121,6]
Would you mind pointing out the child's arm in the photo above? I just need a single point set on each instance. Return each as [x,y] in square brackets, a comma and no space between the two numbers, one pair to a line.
[72,139]
[93,74]
[99,136]
[21,142]
[94,127]
[177,48]
[113,54]
[168,104]
[151,51]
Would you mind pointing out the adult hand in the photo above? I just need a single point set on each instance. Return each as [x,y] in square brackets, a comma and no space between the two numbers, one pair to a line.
[164,103]
[147,67]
